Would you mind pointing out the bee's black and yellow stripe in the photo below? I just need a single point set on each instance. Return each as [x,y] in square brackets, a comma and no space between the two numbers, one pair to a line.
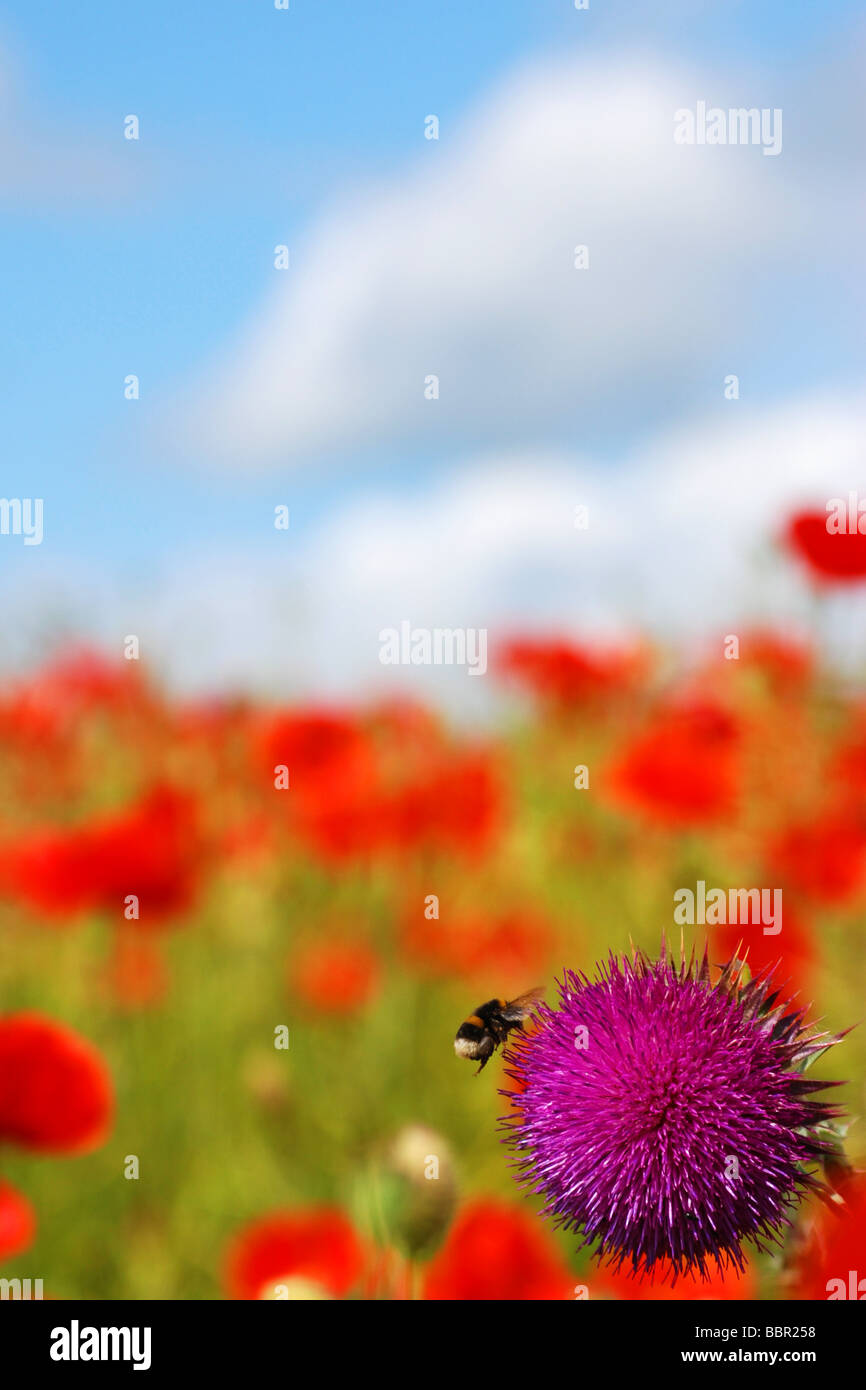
[487,1028]
[487,1020]
[472,1029]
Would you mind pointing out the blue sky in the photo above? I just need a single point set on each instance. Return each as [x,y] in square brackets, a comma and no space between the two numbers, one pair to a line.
[258,127]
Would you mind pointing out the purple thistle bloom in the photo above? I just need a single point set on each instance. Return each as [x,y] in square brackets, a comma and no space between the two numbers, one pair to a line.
[666,1117]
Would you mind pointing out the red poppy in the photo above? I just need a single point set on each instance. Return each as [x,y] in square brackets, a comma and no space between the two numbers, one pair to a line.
[322,750]
[333,794]
[55,1090]
[349,823]
[495,1251]
[831,1265]
[17,1222]
[24,724]
[314,1253]
[80,680]
[793,951]
[451,805]
[831,557]
[683,770]
[454,807]
[727,1284]
[513,947]
[335,977]
[88,678]
[564,673]
[823,859]
[41,717]
[149,851]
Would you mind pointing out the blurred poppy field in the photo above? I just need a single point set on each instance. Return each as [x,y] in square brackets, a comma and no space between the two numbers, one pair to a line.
[238,940]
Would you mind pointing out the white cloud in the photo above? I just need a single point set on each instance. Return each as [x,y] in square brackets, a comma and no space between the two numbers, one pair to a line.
[679,547]
[680,544]
[463,267]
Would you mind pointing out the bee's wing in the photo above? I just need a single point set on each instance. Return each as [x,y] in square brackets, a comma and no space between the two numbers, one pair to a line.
[517,1009]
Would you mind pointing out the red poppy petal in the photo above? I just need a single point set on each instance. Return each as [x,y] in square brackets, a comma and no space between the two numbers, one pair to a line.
[320,1246]
[495,1251]
[834,557]
[17,1222]
[55,1090]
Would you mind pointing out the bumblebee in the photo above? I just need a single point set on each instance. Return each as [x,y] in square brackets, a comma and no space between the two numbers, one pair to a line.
[482,1032]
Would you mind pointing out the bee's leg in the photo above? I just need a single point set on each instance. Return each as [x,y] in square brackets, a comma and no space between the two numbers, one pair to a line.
[484,1062]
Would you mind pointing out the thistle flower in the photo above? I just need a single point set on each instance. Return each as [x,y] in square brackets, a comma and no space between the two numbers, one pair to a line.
[666,1117]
